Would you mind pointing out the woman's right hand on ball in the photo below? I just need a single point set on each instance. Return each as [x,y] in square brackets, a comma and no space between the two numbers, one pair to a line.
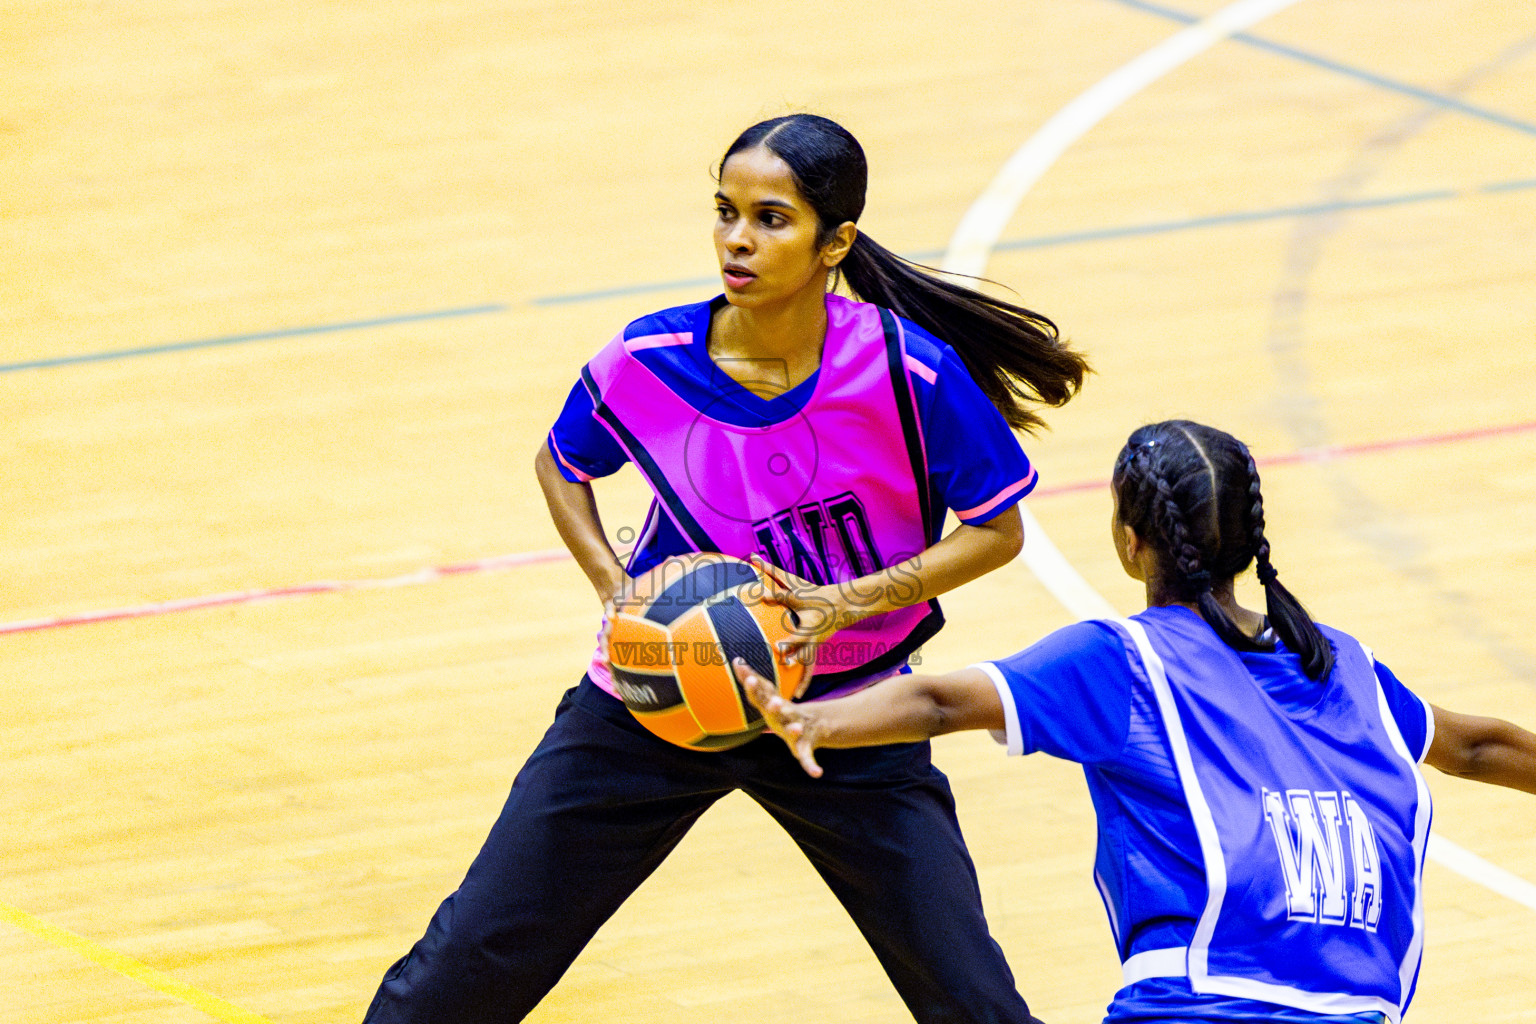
[817,612]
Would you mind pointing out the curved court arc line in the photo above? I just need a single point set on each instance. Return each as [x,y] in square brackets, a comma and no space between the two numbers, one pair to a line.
[980,229]
[1312,244]
[971,247]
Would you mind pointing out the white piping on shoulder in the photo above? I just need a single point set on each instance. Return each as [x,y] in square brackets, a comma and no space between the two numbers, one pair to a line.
[1012,738]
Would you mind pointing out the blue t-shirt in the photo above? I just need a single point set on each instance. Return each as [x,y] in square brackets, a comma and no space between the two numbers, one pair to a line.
[975,464]
[1074,695]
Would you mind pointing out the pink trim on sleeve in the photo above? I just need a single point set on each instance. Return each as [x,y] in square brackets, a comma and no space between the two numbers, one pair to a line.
[583,477]
[1002,496]
[658,341]
[927,373]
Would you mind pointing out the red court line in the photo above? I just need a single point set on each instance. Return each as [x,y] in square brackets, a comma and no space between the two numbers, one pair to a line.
[1332,453]
[187,604]
[1328,453]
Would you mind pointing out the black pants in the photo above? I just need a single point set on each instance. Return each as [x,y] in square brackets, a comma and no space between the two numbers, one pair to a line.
[602,802]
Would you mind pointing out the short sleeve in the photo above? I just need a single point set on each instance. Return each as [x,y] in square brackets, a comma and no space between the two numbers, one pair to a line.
[583,448]
[1413,715]
[974,460]
[1068,695]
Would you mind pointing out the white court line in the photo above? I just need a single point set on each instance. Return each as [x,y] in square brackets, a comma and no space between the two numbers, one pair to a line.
[970,249]
[1468,864]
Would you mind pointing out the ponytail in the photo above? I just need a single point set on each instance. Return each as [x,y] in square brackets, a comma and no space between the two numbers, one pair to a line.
[1014,354]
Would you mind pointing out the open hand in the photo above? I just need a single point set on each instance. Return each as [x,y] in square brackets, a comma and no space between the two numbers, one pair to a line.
[796,724]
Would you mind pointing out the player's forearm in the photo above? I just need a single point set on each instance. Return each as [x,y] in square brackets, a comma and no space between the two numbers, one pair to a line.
[903,709]
[574,511]
[1484,749]
[909,708]
[966,553]
[1508,759]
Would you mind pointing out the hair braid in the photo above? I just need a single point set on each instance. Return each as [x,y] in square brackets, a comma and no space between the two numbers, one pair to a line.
[1192,492]
[1192,576]
[1287,617]
[1193,581]
[1266,571]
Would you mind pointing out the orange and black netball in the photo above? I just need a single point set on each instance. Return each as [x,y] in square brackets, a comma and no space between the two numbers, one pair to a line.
[674,634]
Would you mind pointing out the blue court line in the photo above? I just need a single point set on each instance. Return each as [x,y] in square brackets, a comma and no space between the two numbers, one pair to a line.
[1098,235]
[1217,220]
[571,298]
[237,339]
[1509,186]
[1369,77]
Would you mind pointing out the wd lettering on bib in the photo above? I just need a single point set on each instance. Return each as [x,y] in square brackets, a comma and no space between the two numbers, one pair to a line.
[1327,881]
[841,544]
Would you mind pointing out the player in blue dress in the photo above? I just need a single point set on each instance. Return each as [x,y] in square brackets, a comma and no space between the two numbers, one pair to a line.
[929,390]
[1262,816]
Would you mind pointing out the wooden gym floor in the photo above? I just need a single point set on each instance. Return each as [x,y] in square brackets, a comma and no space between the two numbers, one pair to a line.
[292,293]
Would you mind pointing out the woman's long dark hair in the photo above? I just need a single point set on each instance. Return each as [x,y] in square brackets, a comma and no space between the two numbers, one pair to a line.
[1014,354]
[1192,492]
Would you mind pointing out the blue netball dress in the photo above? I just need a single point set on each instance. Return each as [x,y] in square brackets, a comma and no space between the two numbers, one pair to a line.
[1261,835]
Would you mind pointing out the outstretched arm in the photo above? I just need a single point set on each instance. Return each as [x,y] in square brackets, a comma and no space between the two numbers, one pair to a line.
[1486,749]
[902,709]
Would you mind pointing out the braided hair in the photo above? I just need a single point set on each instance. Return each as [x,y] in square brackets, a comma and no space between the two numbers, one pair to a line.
[1192,492]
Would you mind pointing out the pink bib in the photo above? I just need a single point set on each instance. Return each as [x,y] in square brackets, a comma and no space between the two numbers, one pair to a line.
[831,493]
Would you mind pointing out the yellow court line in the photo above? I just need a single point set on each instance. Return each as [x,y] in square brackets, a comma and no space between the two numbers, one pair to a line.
[128,967]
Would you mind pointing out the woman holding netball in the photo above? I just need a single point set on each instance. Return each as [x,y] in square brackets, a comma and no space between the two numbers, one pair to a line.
[1262,817]
[827,437]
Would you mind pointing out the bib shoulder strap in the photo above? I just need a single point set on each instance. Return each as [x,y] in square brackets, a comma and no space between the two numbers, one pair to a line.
[906,412]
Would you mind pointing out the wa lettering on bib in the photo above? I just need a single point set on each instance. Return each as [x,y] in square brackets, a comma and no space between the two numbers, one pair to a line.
[1327,880]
